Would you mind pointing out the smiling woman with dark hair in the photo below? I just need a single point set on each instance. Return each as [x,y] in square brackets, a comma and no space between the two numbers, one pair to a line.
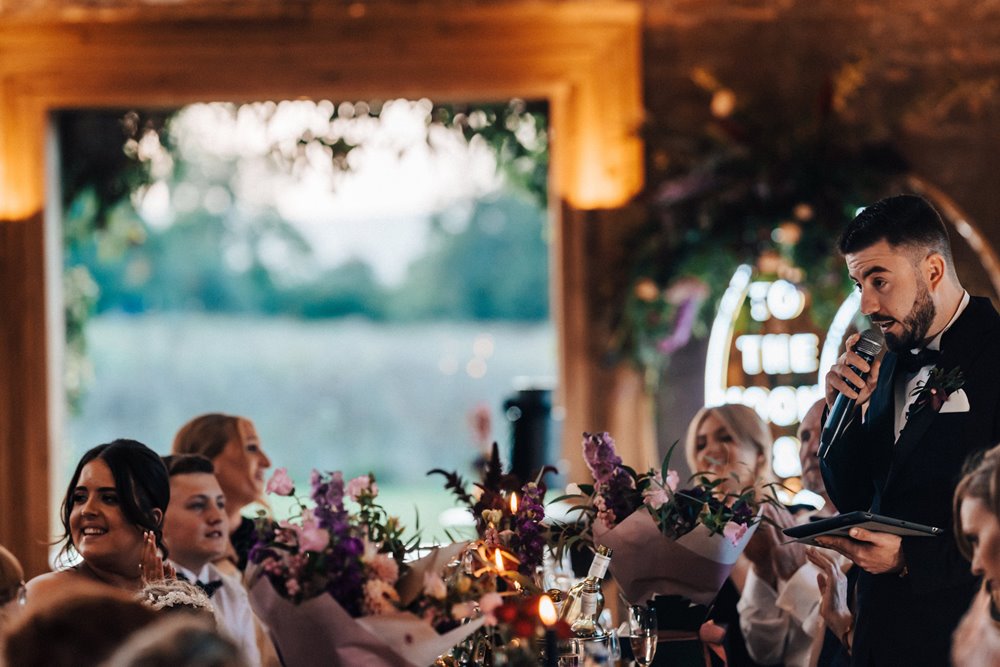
[112,517]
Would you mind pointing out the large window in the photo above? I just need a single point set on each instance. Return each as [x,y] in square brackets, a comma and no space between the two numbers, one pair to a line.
[367,282]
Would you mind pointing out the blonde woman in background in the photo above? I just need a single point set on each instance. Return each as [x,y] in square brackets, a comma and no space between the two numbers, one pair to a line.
[232,445]
[732,443]
[976,642]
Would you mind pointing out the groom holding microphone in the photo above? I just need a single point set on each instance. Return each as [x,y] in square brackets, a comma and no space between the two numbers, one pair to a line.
[918,413]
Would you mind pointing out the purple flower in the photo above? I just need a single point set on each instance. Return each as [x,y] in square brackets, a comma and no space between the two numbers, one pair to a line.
[529,542]
[599,453]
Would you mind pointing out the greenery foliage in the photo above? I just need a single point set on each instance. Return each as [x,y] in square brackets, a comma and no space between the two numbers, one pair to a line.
[117,261]
[770,182]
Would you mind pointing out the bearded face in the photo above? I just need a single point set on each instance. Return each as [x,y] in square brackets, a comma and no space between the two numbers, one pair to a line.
[914,327]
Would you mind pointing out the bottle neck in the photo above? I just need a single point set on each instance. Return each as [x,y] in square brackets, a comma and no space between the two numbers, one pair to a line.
[599,567]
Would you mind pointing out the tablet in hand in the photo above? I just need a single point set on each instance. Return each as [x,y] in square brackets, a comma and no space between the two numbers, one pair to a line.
[842,523]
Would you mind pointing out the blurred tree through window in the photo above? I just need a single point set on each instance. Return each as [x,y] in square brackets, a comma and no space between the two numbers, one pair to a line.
[358,278]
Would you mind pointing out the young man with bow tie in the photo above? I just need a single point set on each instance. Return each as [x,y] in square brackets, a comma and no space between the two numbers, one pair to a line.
[196,532]
[930,402]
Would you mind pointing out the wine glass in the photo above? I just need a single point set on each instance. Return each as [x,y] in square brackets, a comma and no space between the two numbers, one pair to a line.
[642,633]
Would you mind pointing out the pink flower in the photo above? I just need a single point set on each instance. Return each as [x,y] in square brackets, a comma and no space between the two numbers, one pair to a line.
[383,566]
[360,485]
[488,604]
[280,483]
[313,539]
[655,496]
[658,492]
[380,597]
[734,532]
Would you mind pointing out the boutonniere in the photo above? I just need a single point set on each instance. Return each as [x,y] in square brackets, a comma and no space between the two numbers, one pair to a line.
[936,389]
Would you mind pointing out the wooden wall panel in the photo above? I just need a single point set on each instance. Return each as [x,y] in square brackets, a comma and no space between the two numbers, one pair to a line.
[24,441]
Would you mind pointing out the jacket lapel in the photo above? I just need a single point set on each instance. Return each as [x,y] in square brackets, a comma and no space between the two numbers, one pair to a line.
[960,346]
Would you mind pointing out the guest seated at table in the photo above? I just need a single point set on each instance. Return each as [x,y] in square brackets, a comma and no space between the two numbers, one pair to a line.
[976,642]
[112,517]
[79,625]
[196,532]
[231,443]
[12,592]
[780,603]
[731,442]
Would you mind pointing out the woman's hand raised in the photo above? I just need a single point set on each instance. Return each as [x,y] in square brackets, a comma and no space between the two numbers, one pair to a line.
[151,565]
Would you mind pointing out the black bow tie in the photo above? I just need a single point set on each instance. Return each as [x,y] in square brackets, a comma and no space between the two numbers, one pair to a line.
[911,363]
[209,587]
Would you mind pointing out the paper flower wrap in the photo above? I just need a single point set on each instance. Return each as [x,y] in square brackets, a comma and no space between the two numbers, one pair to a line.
[319,632]
[647,563]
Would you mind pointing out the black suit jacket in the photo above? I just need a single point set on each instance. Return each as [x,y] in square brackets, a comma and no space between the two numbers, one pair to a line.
[909,620]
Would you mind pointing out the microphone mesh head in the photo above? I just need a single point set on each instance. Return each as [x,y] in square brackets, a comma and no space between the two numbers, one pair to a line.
[870,343]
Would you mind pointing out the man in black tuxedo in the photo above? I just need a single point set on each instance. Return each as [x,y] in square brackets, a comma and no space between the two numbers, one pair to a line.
[903,451]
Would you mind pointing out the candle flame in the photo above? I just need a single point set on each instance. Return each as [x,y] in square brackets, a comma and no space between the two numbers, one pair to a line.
[499,559]
[513,503]
[547,610]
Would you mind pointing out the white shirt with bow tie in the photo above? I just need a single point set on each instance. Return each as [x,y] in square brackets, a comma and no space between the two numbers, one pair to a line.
[232,609]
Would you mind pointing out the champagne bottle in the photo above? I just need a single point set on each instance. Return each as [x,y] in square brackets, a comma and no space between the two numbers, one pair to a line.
[587,625]
[571,608]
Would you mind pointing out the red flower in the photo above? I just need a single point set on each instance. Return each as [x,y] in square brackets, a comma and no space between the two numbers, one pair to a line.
[523,627]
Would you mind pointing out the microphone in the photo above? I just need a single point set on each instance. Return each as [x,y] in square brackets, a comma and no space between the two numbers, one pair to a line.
[867,348]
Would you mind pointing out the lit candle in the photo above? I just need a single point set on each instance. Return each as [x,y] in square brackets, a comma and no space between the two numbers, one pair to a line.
[547,612]
[498,557]
[513,503]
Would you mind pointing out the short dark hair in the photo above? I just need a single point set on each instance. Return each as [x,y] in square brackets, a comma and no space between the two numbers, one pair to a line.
[186,464]
[901,220]
[141,482]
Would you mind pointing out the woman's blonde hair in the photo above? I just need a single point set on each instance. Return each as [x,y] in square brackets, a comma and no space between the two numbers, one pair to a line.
[746,427]
[207,435]
[980,481]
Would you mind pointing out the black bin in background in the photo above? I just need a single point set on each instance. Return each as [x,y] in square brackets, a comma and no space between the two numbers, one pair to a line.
[532,433]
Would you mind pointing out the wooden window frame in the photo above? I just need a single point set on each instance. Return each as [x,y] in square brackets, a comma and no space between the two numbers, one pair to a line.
[583,57]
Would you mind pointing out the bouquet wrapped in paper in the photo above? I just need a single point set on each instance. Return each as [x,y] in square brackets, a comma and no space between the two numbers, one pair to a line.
[667,540]
[334,588]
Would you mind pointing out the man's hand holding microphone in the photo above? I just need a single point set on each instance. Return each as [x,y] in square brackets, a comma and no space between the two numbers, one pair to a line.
[850,382]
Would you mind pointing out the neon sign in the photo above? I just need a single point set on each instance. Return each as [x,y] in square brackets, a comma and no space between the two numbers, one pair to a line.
[769,359]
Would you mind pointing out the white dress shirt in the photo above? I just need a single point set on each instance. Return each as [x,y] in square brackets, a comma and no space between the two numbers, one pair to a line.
[779,625]
[906,383]
[232,609]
